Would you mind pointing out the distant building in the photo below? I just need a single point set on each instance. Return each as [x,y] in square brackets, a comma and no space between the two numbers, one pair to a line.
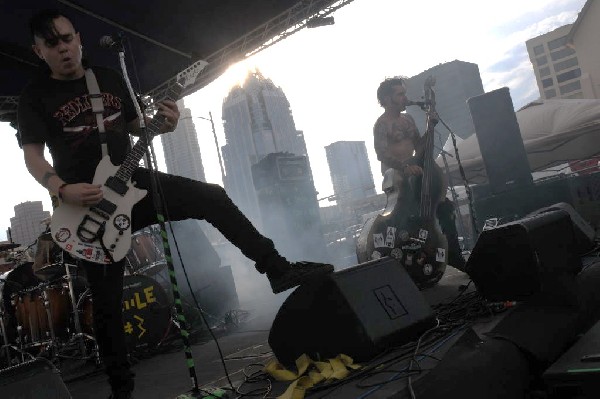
[556,65]
[26,226]
[350,171]
[583,37]
[257,122]
[455,83]
[181,148]
[566,60]
[288,203]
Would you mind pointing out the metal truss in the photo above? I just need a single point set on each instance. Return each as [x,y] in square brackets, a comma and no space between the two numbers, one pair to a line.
[8,108]
[264,36]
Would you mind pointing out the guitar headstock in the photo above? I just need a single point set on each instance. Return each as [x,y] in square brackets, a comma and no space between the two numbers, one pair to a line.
[188,76]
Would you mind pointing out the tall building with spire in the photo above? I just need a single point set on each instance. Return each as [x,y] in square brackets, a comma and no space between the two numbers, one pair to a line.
[181,148]
[258,121]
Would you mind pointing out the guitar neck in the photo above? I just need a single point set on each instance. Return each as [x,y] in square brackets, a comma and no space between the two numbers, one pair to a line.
[132,160]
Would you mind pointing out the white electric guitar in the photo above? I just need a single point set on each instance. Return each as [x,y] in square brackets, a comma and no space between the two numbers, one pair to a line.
[102,233]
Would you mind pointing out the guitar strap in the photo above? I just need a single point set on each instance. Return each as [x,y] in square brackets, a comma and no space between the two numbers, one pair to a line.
[98,110]
[97,107]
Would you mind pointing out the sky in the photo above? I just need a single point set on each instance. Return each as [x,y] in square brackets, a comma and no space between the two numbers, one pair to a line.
[330,75]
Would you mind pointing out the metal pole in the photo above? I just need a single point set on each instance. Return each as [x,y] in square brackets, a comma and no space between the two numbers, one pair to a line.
[212,124]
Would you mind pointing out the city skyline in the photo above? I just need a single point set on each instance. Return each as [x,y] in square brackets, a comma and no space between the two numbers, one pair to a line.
[330,74]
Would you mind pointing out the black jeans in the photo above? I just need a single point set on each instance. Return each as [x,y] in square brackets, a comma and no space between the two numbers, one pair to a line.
[183,199]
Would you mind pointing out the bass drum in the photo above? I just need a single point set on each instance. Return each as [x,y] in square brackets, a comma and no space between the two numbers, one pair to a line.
[146,312]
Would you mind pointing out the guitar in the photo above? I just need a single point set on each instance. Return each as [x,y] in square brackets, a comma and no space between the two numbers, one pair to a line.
[102,233]
[407,229]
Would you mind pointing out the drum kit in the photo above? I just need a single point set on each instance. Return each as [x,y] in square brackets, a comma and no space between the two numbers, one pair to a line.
[46,305]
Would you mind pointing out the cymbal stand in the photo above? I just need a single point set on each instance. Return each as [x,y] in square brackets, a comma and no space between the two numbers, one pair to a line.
[6,345]
[79,335]
[46,299]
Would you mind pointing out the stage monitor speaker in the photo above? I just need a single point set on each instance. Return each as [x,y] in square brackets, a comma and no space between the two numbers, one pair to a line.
[500,140]
[584,233]
[36,379]
[516,260]
[359,311]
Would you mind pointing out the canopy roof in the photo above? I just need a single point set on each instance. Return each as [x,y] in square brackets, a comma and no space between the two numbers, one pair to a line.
[554,132]
[162,37]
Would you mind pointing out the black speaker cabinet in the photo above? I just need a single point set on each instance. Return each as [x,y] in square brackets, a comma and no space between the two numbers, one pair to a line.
[517,259]
[37,379]
[584,234]
[358,311]
[500,140]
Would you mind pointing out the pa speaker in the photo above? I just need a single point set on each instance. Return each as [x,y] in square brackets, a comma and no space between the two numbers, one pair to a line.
[359,311]
[584,233]
[37,379]
[516,260]
[500,141]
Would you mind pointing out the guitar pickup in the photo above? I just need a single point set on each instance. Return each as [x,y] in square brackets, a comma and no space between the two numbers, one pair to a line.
[104,208]
[117,185]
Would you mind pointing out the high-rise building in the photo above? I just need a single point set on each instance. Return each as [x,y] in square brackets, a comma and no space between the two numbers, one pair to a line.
[257,121]
[565,61]
[26,226]
[583,37]
[555,64]
[289,207]
[181,148]
[350,171]
[455,83]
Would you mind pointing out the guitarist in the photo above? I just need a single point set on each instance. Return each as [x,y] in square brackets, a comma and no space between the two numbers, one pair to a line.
[54,110]
[397,140]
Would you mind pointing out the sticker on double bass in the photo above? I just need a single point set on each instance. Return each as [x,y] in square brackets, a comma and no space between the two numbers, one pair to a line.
[390,237]
[378,241]
[440,255]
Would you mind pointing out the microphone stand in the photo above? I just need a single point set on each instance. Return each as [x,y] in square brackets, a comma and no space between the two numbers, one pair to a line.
[160,212]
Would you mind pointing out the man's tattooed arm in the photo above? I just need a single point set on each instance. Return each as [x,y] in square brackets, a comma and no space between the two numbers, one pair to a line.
[46,177]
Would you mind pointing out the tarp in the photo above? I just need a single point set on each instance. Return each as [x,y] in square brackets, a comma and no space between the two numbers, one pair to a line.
[554,132]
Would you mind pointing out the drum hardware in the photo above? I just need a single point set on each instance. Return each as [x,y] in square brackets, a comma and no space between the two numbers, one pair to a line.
[78,330]
[146,255]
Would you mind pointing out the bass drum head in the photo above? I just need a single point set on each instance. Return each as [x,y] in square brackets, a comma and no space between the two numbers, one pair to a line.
[146,312]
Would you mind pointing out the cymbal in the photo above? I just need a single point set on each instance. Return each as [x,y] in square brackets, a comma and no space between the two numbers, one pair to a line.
[8,245]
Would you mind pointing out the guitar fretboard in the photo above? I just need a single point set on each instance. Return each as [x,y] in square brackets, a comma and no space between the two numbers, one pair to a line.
[132,160]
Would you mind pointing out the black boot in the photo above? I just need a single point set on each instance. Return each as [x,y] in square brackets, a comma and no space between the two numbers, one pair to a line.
[284,275]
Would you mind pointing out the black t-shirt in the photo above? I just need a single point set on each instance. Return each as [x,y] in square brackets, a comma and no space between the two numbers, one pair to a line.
[58,113]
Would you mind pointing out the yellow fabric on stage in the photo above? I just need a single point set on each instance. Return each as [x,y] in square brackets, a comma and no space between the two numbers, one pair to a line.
[337,368]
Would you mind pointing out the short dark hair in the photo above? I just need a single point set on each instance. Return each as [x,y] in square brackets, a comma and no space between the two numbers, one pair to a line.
[41,24]
[385,88]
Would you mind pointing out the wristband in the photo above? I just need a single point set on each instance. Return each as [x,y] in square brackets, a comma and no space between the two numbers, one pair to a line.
[60,190]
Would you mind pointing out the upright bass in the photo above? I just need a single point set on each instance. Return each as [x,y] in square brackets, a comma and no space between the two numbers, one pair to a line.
[408,229]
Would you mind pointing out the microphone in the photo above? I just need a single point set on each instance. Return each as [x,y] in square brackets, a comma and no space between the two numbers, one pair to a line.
[112,41]
[419,103]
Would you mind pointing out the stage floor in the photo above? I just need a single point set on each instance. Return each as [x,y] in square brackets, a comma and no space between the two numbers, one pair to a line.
[166,375]
[462,358]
